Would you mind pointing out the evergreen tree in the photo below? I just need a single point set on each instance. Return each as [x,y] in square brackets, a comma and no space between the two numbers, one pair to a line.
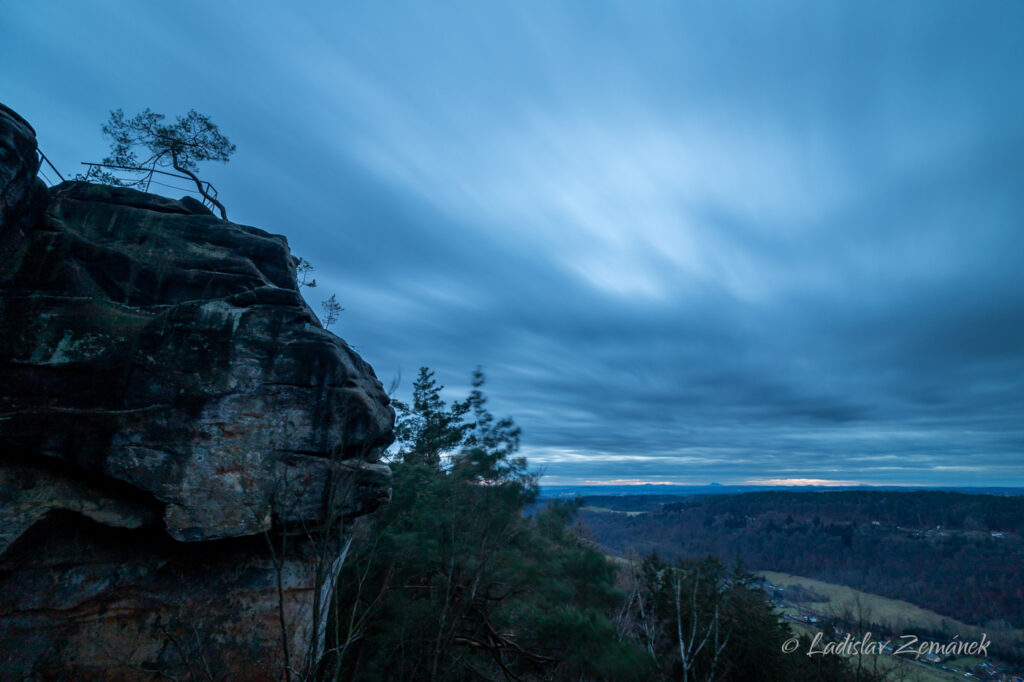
[452,581]
[428,428]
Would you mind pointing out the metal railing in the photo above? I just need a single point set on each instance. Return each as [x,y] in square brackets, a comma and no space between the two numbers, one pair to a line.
[145,179]
[142,178]
[46,179]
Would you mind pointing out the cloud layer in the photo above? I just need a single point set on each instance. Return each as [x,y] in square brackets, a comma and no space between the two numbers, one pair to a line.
[686,243]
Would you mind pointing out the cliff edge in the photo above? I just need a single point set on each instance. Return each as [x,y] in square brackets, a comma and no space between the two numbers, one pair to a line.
[170,409]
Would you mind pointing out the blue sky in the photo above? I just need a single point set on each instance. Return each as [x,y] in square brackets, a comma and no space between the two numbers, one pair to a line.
[687,242]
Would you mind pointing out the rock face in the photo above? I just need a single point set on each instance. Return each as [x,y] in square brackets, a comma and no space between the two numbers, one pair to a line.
[171,415]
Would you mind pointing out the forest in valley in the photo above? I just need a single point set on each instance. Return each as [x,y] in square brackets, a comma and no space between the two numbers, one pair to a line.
[957,554]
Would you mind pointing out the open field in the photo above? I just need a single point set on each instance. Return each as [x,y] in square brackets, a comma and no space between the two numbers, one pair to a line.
[873,608]
[606,510]
[899,615]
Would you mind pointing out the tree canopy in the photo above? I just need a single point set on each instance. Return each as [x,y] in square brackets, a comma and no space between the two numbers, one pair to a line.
[451,580]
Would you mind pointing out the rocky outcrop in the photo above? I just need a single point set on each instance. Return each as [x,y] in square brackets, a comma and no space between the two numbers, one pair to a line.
[171,415]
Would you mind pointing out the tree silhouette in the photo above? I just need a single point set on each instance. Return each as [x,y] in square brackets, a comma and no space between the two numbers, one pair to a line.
[332,310]
[303,272]
[182,145]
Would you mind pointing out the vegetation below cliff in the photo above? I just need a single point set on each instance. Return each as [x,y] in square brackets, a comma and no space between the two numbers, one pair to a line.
[452,581]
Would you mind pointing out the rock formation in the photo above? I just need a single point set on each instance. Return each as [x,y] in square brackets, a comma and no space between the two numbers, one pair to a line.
[172,416]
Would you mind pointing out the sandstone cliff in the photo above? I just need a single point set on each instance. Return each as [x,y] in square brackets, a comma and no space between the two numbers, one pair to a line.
[170,408]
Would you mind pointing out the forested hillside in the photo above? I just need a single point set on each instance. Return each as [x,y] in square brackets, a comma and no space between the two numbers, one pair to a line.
[961,555]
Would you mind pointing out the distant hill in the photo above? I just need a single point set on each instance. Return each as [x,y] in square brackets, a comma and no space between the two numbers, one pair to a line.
[670,491]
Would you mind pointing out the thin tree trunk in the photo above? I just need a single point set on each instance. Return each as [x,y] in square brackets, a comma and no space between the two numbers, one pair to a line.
[199,186]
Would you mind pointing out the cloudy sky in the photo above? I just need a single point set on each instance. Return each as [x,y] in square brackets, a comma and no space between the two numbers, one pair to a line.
[687,242]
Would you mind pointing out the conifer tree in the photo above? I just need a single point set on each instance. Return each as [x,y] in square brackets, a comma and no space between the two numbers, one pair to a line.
[452,581]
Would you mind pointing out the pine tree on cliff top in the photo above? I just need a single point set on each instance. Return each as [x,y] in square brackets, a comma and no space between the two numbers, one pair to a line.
[182,145]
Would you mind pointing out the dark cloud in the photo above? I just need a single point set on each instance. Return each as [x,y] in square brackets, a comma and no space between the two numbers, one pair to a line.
[686,243]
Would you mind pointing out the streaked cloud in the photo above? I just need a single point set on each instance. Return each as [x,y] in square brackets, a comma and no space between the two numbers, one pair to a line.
[686,243]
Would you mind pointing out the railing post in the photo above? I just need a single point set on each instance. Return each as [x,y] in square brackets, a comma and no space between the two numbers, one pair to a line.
[50,164]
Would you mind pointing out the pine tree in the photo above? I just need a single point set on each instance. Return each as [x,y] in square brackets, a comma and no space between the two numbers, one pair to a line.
[428,428]
[182,145]
[452,581]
